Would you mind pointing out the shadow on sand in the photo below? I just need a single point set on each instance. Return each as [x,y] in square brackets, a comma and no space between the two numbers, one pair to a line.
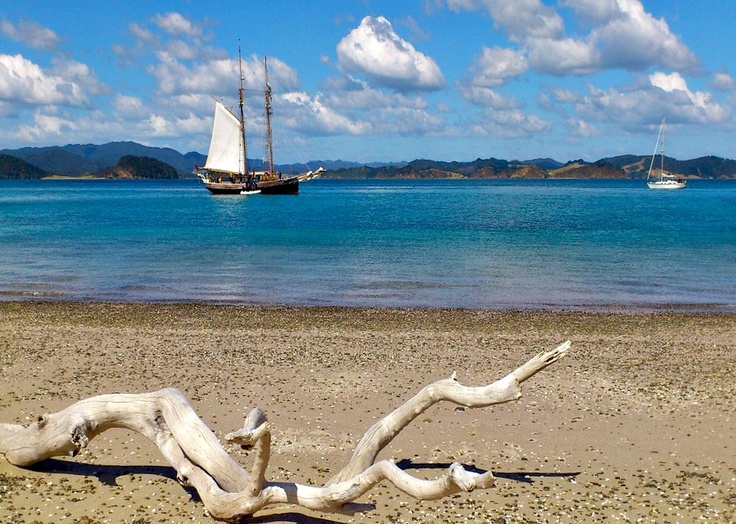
[108,475]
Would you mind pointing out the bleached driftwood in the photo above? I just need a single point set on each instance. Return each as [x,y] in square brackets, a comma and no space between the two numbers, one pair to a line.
[227,490]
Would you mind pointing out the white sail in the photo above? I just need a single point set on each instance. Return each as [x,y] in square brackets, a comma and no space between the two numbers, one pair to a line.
[226,147]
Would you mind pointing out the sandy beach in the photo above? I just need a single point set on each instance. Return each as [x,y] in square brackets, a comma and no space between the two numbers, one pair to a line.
[635,424]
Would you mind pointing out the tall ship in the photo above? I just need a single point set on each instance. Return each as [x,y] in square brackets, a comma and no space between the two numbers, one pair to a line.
[226,171]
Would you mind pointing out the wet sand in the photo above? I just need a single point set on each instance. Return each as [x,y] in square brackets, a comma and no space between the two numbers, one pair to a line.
[635,424]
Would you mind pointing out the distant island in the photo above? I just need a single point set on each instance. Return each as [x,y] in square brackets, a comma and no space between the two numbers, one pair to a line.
[130,160]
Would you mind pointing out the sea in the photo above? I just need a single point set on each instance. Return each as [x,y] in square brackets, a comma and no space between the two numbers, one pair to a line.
[472,244]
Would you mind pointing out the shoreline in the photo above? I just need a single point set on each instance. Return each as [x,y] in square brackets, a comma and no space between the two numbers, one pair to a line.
[616,308]
[634,424]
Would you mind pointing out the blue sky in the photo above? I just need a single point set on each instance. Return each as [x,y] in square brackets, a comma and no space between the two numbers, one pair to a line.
[376,80]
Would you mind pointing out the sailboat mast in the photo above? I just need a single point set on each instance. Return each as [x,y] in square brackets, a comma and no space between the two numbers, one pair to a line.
[661,168]
[242,115]
[269,136]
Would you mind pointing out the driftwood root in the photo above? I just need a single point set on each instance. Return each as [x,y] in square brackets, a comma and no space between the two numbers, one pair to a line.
[228,491]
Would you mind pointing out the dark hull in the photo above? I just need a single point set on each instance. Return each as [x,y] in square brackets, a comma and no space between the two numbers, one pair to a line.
[224,188]
[285,186]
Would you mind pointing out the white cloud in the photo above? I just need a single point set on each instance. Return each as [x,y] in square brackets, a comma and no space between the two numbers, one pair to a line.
[567,96]
[48,124]
[701,108]
[30,33]
[485,97]
[582,128]
[633,39]
[668,82]
[160,125]
[80,74]
[181,50]
[24,82]
[129,107]
[593,11]
[563,57]
[176,24]
[219,77]
[312,113]
[510,123]
[633,107]
[351,106]
[520,19]
[723,81]
[622,35]
[376,51]
[352,94]
[142,33]
[526,19]
[496,65]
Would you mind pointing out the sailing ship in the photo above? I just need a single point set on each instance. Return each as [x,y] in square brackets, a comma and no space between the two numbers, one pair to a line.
[226,170]
[665,180]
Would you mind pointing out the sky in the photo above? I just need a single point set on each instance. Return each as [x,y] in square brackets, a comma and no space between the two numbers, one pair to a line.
[376,80]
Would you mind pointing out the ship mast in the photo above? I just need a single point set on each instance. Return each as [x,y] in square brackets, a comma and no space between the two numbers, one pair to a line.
[242,116]
[269,136]
[661,168]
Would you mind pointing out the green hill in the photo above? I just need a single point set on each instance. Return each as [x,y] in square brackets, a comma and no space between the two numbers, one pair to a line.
[103,160]
[83,159]
[131,166]
[12,167]
[59,160]
[703,167]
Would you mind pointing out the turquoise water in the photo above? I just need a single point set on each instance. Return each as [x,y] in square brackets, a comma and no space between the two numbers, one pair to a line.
[434,243]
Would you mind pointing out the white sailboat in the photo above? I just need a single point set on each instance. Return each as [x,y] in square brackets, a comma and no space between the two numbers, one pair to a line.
[665,180]
[226,170]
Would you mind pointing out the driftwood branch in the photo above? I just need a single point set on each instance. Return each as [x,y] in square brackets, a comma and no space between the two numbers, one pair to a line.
[227,490]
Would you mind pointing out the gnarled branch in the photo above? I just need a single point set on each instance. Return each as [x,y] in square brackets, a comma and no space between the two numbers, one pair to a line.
[227,490]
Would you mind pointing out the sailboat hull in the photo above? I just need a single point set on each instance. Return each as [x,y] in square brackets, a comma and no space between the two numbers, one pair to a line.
[666,180]
[224,188]
[285,186]
[667,184]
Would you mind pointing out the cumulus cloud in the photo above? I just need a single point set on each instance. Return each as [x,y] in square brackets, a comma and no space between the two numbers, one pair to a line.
[142,33]
[218,77]
[563,57]
[349,93]
[30,33]
[633,107]
[129,107]
[176,24]
[314,114]
[526,19]
[723,81]
[485,97]
[622,35]
[521,19]
[80,74]
[496,65]
[633,39]
[352,106]
[161,126]
[581,128]
[42,126]
[701,107]
[510,123]
[376,51]
[25,82]
[593,11]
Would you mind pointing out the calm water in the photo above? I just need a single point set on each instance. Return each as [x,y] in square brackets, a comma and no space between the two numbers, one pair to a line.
[468,244]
